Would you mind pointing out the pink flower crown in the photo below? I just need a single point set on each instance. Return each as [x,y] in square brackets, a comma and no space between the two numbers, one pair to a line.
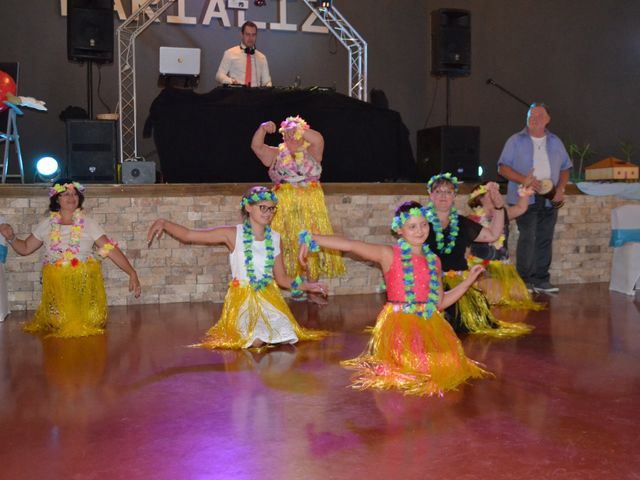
[296,123]
[59,188]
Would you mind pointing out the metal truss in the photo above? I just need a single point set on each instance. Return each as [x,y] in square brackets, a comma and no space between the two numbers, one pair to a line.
[127,34]
[352,41]
[152,9]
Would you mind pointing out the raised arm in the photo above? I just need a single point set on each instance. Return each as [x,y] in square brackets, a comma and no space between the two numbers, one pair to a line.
[265,153]
[522,204]
[496,227]
[21,247]
[316,143]
[212,236]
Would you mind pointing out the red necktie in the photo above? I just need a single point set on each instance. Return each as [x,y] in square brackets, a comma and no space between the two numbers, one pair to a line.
[247,72]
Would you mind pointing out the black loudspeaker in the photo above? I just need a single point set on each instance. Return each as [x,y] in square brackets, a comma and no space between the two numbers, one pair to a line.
[451,42]
[91,150]
[90,30]
[448,149]
[138,172]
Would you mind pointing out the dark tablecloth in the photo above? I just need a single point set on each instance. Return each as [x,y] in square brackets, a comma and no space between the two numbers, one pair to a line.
[203,138]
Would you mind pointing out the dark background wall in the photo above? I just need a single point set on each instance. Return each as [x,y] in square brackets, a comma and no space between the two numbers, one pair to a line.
[581,57]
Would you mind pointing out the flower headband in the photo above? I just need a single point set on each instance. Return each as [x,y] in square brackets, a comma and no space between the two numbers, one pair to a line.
[401,218]
[296,123]
[57,188]
[481,190]
[257,197]
[443,176]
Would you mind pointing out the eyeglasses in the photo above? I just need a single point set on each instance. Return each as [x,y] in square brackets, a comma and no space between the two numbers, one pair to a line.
[265,209]
[444,193]
[69,193]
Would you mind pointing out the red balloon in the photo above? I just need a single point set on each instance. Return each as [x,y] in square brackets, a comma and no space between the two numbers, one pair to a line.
[7,85]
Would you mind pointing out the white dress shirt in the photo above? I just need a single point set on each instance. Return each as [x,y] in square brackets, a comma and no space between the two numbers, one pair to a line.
[234,63]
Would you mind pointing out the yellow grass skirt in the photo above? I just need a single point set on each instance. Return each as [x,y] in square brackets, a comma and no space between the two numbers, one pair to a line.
[226,333]
[475,315]
[303,208]
[503,286]
[73,304]
[414,355]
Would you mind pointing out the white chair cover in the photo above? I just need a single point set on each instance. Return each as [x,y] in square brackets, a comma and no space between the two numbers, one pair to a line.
[625,267]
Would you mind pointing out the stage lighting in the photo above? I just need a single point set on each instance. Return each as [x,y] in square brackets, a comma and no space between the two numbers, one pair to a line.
[480,171]
[47,169]
[324,5]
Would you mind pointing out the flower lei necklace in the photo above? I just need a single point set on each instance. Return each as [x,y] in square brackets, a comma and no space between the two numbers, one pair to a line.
[483,220]
[74,240]
[433,296]
[433,219]
[285,155]
[247,241]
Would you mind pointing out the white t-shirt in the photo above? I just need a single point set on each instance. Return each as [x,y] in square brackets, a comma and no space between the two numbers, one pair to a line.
[541,166]
[90,233]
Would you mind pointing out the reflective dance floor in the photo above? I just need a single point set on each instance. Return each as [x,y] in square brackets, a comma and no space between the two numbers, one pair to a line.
[138,403]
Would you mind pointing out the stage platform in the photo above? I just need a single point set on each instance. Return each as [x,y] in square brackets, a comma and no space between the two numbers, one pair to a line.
[138,404]
[171,272]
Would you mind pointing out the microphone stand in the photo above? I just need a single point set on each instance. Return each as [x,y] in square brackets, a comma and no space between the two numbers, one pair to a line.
[490,81]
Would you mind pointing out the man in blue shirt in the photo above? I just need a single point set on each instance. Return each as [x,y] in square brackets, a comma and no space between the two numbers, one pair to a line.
[536,157]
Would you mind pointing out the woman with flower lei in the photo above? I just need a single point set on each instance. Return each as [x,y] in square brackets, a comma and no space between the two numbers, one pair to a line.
[295,168]
[412,348]
[502,286]
[254,313]
[74,302]
[450,236]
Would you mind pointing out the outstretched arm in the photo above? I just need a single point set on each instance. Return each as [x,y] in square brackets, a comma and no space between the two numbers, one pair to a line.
[522,205]
[316,143]
[381,254]
[21,247]
[265,153]
[212,236]
[120,259]
[452,296]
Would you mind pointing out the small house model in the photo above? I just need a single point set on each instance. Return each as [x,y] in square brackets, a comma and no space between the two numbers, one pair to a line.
[612,168]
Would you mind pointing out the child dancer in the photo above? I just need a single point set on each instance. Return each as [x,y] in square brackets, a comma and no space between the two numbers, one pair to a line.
[254,312]
[502,286]
[412,348]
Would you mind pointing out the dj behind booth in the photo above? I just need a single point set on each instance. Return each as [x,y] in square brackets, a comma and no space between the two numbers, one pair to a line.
[202,138]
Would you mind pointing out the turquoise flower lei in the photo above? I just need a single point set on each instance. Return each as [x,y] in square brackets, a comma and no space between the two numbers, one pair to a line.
[454,229]
[433,296]
[247,241]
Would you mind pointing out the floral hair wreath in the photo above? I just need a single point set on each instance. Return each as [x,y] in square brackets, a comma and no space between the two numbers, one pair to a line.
[257,197]
[296,123]
[480,190]
[443,176]
[400,219]
[58,188]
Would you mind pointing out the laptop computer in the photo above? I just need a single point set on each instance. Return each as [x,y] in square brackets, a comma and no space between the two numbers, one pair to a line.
[179,61]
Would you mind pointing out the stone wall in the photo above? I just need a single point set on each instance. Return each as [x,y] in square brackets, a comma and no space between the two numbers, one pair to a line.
[171,272]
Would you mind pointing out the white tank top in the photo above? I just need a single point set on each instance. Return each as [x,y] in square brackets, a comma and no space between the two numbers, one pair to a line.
[236,258]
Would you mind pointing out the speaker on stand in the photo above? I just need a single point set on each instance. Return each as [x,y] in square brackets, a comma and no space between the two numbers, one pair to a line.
[90,37]
[448,148]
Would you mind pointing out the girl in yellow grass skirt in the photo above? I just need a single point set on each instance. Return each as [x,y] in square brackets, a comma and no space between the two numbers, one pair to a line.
[450,235]
[502,284]
[254,313]
[294,167]
[74,302]
[412,348]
